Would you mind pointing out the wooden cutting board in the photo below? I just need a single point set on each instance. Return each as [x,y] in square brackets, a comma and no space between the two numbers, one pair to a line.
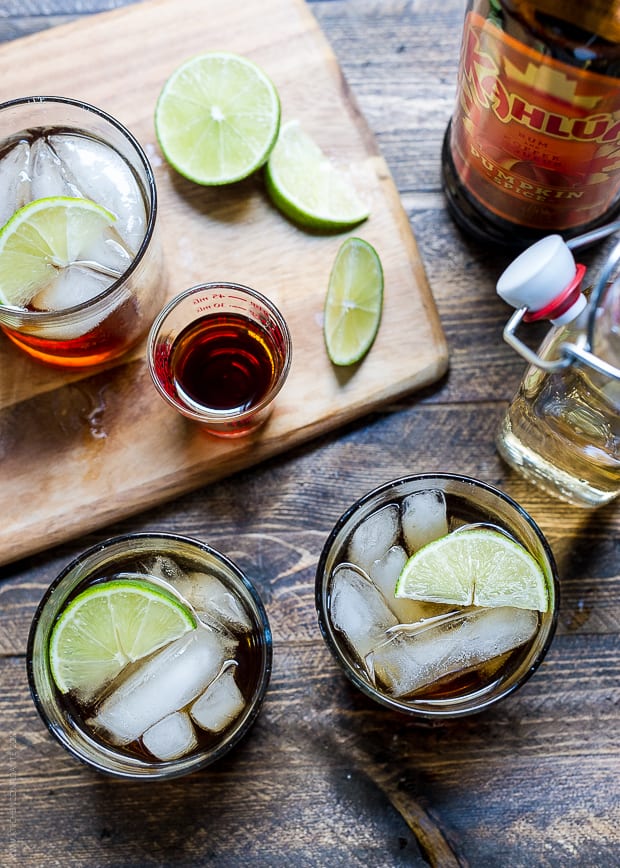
[78,451]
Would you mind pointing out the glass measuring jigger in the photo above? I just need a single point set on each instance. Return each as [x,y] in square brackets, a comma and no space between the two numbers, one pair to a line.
[562,429]
[219,353]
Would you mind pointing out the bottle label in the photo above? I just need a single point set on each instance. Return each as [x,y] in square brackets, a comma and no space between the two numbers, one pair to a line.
[536,141]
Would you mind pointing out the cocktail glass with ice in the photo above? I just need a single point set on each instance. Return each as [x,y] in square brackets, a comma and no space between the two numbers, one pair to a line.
[149,656]
[482,595]
[81,269]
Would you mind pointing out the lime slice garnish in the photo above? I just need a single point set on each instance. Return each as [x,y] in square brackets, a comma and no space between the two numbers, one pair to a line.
[110,625]
[42,239]
[307,187]
[480,568]
[217,118]
[354,302]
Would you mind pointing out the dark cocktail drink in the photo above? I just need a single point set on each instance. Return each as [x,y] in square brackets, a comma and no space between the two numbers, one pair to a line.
[437,594]
[81,274]
[150,656]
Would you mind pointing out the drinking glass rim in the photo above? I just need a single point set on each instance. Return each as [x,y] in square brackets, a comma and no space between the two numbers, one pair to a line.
[110,542]
[446,712]
[218,415]
[43,315]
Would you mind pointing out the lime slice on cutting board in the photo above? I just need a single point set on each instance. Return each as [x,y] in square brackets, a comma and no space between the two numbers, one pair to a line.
[110,625]
[217,118]
[43,238]
[354,302]
[480,568]
[306,187]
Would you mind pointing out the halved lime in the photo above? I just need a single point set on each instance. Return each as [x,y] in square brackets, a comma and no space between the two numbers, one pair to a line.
[354,302]
[217,118]
[110,625]
[480,568]
[307,187]
[42,239]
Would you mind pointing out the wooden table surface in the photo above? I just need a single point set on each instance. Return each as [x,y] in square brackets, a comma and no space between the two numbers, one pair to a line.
[325,777]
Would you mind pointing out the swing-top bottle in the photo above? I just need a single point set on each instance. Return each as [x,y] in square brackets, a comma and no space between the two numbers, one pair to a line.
[562,430]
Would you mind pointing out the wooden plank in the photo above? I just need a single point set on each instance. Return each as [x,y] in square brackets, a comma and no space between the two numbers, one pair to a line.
[427,790]
[82,449]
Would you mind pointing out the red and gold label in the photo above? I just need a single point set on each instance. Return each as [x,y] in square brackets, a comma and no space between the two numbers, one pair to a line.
[536,141]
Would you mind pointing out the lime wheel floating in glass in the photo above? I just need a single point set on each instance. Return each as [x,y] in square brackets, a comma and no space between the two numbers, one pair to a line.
[478,567]
[42,240]
[110,625]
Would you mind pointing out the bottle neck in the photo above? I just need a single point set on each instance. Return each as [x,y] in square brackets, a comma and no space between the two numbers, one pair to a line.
[567,304]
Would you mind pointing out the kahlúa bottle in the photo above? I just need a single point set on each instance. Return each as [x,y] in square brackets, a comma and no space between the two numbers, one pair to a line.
[533,146]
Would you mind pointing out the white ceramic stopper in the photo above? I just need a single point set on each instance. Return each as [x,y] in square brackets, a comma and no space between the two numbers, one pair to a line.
[536,277]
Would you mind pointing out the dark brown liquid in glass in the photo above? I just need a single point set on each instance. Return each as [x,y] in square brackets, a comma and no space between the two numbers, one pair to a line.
[224,362]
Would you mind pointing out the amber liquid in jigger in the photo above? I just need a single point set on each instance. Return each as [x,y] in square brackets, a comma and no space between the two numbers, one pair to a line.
[224,362]
[219,353]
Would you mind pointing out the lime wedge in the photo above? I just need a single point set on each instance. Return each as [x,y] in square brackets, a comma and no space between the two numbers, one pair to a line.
[110,625]
[306,187]
[353,303]
[477,567]
[42,239]
[217,118]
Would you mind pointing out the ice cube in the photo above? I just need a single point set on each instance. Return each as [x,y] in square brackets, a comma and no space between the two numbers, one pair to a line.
[72,285]
[163,567]
[14,180]
[102,175]
[385,573]
[424,518]
[166,682]
[48,175]
[207,595]
[107,255]
[358,610]
[214,602]
[408,662]
[172,737]
[374,536]
[220,704]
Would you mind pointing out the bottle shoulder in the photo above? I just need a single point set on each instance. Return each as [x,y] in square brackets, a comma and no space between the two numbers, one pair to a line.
[584,35]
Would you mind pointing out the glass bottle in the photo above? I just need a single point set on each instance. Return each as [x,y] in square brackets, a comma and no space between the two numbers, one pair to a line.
[532,144]
[562,429]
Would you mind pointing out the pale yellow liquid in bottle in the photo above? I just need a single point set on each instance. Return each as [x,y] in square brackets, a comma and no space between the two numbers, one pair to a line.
[562,430]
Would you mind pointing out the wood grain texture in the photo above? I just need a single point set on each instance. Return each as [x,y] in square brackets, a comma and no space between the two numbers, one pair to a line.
[326,778]
[137,451]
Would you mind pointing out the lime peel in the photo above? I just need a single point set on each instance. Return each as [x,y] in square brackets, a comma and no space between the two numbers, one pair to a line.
[109,625]
[354,302]
[477,567]
[307,187]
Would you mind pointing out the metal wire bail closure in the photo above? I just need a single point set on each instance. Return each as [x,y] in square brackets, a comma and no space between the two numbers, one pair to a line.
[556,304]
